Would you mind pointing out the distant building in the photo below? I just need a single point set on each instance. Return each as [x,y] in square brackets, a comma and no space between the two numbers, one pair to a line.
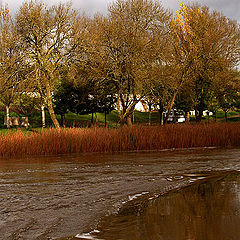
[142,106]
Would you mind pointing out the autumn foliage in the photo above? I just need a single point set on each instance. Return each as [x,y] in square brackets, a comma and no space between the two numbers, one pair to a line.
[76,140]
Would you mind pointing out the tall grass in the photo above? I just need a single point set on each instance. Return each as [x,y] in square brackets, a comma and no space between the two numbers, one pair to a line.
[76,140]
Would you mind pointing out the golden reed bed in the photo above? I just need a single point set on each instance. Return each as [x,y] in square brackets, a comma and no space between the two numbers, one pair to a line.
[77,140]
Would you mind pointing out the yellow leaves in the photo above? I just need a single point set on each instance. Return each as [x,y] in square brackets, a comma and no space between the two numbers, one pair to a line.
[4,13]
[183,9]
[180,17]
[187,23]
[4,19]
[183,5]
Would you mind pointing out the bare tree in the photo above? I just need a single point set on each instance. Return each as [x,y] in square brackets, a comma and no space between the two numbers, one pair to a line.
[11,65]
[46,36]
[205,43]
[122,47]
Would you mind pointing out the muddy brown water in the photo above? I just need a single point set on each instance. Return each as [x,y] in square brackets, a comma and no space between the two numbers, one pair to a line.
[180,194]
[206,210]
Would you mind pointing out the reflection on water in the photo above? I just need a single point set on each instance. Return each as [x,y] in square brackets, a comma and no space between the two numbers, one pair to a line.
[206,210]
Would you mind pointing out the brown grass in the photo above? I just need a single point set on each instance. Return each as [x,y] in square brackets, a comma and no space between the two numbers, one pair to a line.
[76,140]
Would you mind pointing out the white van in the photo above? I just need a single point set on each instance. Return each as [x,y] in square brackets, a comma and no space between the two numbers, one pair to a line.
[176,117]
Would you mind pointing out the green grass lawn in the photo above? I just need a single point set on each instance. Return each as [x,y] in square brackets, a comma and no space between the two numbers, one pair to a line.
[112,118]
[4,131]
[72,119]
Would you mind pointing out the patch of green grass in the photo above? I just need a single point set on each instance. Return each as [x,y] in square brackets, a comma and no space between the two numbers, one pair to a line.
[35,119]
[111,118]
[72,119]
[4,131]
[139,117]
[221,114]
[231,119]
[73,116]
[143,117]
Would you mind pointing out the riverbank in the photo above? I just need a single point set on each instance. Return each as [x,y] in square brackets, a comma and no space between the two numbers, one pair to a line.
[137,138]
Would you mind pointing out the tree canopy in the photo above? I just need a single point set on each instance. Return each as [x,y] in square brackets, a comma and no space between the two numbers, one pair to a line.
[139,51]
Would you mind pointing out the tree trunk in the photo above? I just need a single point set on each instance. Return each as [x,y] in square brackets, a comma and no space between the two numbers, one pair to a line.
[125,117]
[170,106]
[92,119]
[105,117]
[196,111]
[129,121]
[150,114]
[96,119]
[160,110]
[225,116]
[162,118]
[51,110]
[187,116]
[199,115]
[126,121]
[27,122]
[8,116]
[43,117]
[126,112]
[122,122]
[62,118]
[200,102]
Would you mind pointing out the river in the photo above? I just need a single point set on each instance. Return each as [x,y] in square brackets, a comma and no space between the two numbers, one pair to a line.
[68,197]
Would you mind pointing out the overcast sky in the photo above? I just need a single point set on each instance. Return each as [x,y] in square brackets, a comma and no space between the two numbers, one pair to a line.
[230,8]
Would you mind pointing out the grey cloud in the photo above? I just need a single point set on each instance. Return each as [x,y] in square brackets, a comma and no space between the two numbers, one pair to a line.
[92,6]
[230,8]
[87,6]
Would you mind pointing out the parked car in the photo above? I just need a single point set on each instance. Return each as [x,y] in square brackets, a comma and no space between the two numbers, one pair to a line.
[180,117]
[176,117]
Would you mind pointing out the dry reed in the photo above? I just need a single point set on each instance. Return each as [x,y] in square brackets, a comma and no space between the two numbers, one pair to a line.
[76,140]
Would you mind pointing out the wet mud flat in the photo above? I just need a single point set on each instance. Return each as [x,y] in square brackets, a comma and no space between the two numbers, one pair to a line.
[57,197]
